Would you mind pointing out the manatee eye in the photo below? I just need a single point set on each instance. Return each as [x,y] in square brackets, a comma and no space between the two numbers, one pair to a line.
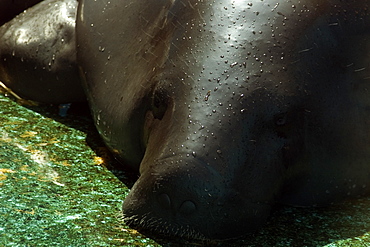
[281,119]
[281,125]
[288,123]
[160,100]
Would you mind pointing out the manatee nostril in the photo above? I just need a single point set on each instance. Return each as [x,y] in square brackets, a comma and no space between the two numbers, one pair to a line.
[164,200]
[187,207]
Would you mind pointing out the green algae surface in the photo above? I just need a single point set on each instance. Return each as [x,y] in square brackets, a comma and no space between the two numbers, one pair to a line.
[56,191]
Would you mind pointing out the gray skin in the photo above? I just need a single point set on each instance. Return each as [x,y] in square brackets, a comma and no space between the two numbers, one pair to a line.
[38,53]
[229,107]
[226,108]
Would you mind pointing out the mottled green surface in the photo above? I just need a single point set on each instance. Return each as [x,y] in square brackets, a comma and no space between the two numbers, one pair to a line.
[55,191]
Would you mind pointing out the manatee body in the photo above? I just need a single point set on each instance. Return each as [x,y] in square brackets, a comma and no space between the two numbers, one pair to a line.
[227,108]
[38,53]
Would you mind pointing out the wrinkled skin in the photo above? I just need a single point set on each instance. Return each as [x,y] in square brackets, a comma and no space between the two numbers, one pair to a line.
[226,108]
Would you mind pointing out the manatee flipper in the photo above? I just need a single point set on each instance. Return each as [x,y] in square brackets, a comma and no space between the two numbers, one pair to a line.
[38,53]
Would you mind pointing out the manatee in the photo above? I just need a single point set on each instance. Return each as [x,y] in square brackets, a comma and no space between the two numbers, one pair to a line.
[228,108]
[38,53]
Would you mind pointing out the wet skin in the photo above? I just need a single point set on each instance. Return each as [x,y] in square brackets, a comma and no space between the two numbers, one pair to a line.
[38,53]
[226,108]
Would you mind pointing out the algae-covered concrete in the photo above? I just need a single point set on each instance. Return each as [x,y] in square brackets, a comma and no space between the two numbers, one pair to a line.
[56,191]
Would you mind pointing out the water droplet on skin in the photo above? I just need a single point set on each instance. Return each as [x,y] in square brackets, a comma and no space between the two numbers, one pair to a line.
[233,64]
[98,120]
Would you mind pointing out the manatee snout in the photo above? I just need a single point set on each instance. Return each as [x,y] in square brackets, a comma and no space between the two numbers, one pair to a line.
[192,201]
